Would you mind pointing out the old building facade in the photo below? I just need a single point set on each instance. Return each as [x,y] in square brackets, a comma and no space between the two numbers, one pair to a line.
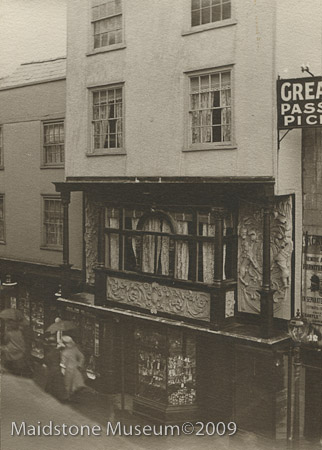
[192,203]
[32,136]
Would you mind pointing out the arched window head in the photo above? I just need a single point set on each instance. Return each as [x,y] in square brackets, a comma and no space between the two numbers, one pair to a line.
[156,243]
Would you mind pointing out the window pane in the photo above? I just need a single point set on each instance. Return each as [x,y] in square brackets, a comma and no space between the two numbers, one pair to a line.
[226,11]
[216,134]
[110,8]
[205,15]
[216,13]
[195,4]
[195,18]
[112,251]
[216,117]
[118,6]
[204,82]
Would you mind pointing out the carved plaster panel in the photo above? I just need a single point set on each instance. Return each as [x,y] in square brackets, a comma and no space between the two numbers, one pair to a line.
[157,298]
[250,256]
[230,304]
[90,237]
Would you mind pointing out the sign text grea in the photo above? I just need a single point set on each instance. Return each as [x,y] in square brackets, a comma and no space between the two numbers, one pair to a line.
[299,102]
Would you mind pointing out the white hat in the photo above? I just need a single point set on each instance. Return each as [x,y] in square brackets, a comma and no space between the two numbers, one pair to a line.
[67,340]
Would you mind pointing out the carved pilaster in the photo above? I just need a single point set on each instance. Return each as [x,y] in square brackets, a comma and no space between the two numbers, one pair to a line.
[66,266]
[91,237]
[252,277]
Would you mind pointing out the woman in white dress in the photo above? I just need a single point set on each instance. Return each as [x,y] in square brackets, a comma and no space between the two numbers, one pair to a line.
[72,362]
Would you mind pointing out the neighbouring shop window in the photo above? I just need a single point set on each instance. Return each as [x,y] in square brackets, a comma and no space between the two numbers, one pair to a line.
[107,118]
[210,108]
[178,245]
[54,138]
[53,222]
[208,11]
[34,315]
[107,23]
[1,147]
[2,219]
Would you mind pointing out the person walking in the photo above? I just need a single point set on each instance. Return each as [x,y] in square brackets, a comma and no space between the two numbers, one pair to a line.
[72,363]
[14,349]
[54,383]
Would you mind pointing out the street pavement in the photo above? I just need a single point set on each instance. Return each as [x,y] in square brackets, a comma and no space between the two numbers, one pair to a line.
[22,400]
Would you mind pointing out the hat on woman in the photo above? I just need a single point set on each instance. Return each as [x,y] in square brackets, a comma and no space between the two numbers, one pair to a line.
[67,340]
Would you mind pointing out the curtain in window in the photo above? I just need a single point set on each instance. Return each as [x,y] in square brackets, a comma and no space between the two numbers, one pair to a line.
[206,115]
[208,254]
[182,252]
[112,242]
[156,248]
[135,222]
[226,115]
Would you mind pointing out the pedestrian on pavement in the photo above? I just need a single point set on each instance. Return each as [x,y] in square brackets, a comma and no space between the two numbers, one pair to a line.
[13,350]
[54,383]
[72,363]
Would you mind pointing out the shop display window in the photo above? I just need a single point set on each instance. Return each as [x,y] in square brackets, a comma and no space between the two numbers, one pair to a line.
[166,366]
[38,328]
[86,334]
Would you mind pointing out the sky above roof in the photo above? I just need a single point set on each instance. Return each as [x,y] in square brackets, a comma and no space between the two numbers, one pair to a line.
[31,30]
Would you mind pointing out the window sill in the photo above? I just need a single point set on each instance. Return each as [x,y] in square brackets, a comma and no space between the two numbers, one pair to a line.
[209,26]
[1,167]
[52,249]
[2,242]
[111,48]
[205,147]
[107,153]
[54,166]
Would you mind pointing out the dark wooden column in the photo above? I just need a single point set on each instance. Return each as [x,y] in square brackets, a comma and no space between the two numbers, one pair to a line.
[66,266]
[266,292]
[100,275]
[218,300]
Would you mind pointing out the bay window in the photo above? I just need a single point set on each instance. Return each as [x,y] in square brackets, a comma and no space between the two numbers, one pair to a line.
[178,245]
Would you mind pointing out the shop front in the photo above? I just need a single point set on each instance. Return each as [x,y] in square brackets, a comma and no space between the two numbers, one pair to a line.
[191,285]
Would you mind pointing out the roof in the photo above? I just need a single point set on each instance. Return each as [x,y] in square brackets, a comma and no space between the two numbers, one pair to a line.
[35,72]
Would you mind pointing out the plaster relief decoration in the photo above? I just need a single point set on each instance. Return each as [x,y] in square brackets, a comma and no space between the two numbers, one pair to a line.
[90,237]
[250,256]
[157,298]
[230,304]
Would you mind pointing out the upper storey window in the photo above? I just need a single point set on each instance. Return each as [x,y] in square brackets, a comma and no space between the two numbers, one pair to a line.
[54,139]
[107,118]
[107,23]
[209,11]
[210,108]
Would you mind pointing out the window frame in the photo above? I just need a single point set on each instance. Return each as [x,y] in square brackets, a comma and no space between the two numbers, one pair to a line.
[221,3]
[44,244]
[219,145]
[195,241]
[44,164]
[108,47]
[2,197]
[112,150]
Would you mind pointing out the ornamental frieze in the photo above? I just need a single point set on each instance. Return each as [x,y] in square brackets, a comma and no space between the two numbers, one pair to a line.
[157,298]
[90,237]
[250,256]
